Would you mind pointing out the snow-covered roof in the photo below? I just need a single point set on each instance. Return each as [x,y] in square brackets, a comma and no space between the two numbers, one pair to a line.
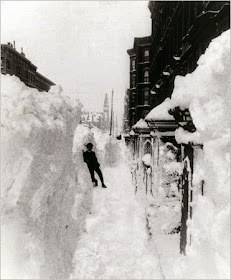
[140,124]
[160,112]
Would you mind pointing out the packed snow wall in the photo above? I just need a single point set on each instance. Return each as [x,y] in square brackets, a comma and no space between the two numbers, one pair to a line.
[45,185]
[206,93]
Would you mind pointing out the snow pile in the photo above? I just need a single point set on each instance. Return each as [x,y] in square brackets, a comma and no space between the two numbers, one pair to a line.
[115,245]
[206,92]
[186,137]
[132,133]
[105,147]
[156,188]
[161,112]
[45,190]
[140,124]
[87,136]
[25,109]
[147,159]
[164,207]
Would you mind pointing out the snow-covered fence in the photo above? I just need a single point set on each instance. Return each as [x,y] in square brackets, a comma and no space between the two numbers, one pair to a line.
[156,172]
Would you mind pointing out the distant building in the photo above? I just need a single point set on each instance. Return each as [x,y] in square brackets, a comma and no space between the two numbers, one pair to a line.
[15,63]
[93,118]
[98,119]
[106,107]
[126,112]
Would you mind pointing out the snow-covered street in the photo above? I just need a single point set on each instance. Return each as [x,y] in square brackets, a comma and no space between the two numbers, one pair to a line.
[115,161]
[115,244]
[66,228]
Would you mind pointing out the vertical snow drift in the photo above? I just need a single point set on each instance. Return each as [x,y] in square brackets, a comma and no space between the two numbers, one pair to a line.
[44,199]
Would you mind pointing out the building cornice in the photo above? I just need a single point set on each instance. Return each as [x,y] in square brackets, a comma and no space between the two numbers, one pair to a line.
[19,54]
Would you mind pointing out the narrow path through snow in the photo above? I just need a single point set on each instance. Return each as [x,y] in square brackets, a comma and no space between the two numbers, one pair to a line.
[115,245]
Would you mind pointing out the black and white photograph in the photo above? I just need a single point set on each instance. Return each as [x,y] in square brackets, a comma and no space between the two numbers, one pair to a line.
[115,140]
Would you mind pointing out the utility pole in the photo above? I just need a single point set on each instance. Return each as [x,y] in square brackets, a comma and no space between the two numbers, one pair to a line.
[111,112]
[116,127]
[113,124]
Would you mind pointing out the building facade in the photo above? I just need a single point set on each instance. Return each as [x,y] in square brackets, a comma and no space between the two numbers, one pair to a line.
[181,32]
[106,110]
[126,112]
[139,91]
[15,63]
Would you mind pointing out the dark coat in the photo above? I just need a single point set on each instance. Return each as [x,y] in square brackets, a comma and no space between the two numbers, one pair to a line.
[90,158]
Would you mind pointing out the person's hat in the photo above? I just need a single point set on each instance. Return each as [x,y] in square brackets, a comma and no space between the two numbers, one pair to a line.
[89,145]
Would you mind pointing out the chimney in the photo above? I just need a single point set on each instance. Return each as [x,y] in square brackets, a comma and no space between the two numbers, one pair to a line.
[22,53]
[14,44]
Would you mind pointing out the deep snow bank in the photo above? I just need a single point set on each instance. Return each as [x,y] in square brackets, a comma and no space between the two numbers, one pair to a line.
[45,194]
[206,92]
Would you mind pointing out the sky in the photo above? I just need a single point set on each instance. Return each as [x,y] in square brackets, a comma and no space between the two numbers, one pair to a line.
[80,45]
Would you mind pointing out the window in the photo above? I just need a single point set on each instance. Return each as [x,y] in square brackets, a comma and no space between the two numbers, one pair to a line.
[2,62]
[146,76]
[146,55]
[146,96]
[133,64]
[27,74]
[133,118]
[147,148]
[145,113]
[32,79]
[133,100]
[18,70]
[133,81]
[7,64]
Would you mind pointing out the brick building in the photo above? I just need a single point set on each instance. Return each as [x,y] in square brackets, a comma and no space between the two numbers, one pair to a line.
[181,32]
[15,63]
[139,91]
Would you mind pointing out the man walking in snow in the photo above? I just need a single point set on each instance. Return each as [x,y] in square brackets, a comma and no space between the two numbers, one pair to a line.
[90,158]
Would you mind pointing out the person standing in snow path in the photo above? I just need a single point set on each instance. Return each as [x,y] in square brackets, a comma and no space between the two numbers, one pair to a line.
[91,160]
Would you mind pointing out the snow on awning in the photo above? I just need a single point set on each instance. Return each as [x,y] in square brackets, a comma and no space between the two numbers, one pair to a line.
[161,112]
[140,124]
[132,133]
